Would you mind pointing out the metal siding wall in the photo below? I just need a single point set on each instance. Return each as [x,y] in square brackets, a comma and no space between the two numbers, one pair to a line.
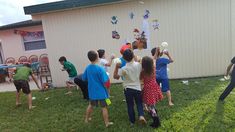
[233,28]
[198,33]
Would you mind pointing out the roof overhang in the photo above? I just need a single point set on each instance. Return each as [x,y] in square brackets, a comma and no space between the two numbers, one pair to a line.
[66,5]
[27,23]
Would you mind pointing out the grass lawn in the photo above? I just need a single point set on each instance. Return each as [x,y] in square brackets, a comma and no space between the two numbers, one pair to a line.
[196,109]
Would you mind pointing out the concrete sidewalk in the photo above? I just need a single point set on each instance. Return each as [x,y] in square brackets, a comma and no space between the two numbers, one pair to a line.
[10,87]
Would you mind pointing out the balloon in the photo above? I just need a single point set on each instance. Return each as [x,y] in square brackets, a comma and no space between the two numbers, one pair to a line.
[164,44]
[117,60]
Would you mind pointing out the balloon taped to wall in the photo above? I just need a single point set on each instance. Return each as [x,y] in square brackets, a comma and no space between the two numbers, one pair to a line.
[115,35]
[114,20]
[155,24]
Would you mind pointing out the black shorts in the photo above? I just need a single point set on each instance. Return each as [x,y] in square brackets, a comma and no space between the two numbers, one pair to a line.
[22,84]
[96,103]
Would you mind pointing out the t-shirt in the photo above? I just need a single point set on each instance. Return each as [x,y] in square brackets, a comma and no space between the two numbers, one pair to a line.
[22,73]
[103,63]
[233,62]
[130,74]
[97,77]
[161,68]
[70,68]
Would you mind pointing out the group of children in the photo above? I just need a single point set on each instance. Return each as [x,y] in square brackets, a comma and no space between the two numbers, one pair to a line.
[153,72]
[150,71]
[142,79]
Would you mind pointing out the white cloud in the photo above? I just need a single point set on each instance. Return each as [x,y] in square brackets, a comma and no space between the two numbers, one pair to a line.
[12,11]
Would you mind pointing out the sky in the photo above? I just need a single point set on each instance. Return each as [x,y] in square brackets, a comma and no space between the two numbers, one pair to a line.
[12,11]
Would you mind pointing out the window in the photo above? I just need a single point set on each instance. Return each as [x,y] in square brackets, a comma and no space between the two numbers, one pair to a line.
[34,41]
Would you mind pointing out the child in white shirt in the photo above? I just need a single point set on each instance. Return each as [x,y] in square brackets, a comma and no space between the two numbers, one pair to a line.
[132,88]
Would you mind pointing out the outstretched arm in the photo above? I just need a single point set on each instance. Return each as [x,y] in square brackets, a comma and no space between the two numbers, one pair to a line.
[228,69]
[35,80]
[155,55]
[110,61]
[168,55]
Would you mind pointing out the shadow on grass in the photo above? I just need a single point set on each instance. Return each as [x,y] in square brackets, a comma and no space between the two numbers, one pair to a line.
[216,123]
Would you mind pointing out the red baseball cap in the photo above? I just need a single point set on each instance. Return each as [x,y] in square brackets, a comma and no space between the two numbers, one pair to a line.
[124,47]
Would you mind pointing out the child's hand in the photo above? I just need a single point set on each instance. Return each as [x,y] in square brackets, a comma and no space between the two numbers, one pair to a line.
[118,65]
[112,57]
[166,53]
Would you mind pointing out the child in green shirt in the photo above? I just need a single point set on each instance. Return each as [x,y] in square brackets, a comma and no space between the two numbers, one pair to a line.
[21,78]
[72,72]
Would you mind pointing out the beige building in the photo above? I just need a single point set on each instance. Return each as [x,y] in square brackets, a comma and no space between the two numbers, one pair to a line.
[18,39]
[200,33]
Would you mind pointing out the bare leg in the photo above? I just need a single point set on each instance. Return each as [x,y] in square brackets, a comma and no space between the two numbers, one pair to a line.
[106,117]
[168,94]
[89,111]
[68,87]
[30,100]
[17,98]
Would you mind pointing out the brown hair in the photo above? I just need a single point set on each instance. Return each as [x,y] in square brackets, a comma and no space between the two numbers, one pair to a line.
[147,66]
[157,49]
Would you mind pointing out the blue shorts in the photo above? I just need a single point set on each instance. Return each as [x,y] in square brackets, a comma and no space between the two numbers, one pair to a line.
[164,83]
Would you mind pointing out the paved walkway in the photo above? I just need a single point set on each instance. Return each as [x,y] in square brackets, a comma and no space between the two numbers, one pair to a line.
[7,87]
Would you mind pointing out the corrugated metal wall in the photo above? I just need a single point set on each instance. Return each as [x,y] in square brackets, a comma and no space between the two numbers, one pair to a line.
[233,27]
[198,33]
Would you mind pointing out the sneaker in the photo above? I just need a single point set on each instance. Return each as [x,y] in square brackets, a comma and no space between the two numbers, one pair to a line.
[171,104]
[77,87]
[132,125]
[109,124]
[18,105]
[142,120]
[68,93]
[32,107]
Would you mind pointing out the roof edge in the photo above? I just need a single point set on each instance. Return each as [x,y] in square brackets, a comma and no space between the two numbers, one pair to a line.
[27,23]
[67,5]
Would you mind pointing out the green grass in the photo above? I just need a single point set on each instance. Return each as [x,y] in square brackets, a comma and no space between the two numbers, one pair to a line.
[196,109]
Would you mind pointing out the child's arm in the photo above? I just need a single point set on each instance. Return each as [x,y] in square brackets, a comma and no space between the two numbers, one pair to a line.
[168,55]
[155,55]
[137,59]
[67,67]
[228,69]
[35,80]
[115,74]
[84,76]
[110,62]
[142,75]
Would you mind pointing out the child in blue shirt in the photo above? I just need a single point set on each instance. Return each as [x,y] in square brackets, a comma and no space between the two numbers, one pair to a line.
[97,80]
[161,71]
